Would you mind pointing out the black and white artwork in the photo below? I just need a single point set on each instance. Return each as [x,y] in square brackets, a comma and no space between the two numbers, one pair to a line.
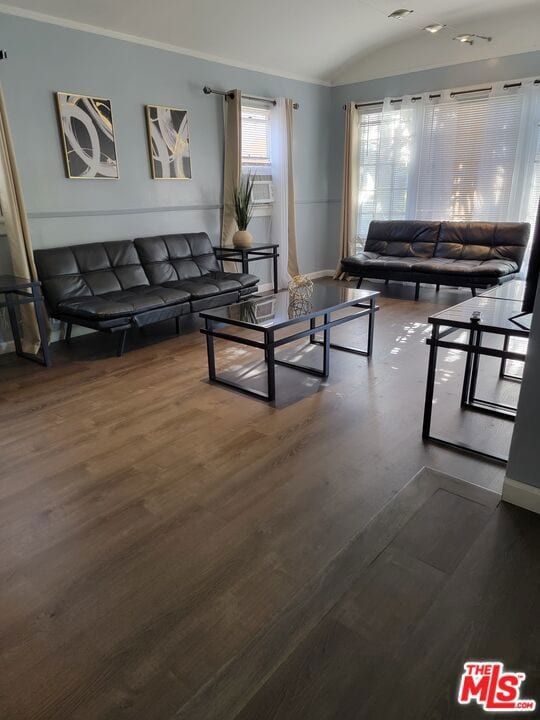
[168,140]
[87,130]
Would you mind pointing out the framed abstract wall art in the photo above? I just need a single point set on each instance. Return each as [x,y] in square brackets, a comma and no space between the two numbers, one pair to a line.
[86,127]
[168,142]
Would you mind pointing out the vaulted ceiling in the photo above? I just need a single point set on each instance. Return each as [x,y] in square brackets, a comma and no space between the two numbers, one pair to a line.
[331,42]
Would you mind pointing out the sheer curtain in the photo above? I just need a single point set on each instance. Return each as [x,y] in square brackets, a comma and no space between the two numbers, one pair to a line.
[468,157]
[283,225]
[387,150]
[17,229]
[450,156]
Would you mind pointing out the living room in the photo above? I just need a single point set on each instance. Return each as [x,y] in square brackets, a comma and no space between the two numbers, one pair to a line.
[268,359]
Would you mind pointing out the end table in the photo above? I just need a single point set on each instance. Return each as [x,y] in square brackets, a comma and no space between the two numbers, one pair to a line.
[19,291]
[258,251]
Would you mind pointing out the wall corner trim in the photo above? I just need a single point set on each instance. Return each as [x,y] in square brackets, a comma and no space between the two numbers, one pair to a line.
[520,494]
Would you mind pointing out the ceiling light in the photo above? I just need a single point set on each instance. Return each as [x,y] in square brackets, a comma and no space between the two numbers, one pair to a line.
[398,14]
[469,38]
[434,28]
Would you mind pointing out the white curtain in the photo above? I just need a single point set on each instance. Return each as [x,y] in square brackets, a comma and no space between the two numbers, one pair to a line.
[232,164]
[451,156]
[283,227]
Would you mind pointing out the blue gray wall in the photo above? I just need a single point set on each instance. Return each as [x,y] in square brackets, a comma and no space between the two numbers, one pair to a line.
[45,58]
[524,463]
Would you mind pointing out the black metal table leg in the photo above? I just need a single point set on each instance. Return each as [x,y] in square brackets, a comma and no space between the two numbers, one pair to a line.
[326,348]
[14,323]
[430,384]
[371,326]
[467,374]
[245,262]
[270,364]
[42,325]
[502,370]
[275,269]
[475,367]
[210,350]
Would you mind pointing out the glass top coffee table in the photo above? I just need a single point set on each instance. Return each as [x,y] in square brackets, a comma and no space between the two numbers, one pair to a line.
[268,314]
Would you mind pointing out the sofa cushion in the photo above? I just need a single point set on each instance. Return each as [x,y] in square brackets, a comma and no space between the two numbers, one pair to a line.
[365,260]
[407,238]
[123,302]
[483,241]
[89,269]
[213,283]
[167,258]
[477,268]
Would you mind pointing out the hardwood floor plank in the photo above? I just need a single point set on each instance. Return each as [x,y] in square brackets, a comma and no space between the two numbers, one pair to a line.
[166,544]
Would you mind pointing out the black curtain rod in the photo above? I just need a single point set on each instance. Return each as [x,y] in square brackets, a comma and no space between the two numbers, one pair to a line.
[230,95]
[438,95]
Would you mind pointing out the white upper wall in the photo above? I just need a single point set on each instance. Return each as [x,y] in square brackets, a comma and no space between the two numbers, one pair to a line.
[343,41]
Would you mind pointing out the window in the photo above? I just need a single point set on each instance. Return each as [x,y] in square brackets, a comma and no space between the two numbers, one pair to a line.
[468,157]
[385,146]
[256,155]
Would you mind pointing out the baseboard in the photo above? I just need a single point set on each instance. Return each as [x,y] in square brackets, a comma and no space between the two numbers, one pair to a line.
[266,287]
[320,274]
[7,347]
[522,495]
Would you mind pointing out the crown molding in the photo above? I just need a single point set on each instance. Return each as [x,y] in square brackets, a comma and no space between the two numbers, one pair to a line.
[135,39]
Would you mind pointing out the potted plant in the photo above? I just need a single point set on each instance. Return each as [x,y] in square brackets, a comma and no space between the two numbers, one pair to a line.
[243,211]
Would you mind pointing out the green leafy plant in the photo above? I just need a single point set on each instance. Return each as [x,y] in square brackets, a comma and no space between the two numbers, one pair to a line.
[243,205]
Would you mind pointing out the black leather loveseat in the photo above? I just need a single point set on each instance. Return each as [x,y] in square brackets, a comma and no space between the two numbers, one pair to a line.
[113,286]
[464,254]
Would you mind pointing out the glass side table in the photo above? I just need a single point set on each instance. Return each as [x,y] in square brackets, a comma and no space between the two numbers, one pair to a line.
[258,251]
[20,291]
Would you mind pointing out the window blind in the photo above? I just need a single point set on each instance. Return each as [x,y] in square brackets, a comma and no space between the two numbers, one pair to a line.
[255,136]
[467,158]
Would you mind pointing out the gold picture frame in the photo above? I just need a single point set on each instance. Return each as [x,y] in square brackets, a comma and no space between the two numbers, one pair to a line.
[169,147]
[88,139]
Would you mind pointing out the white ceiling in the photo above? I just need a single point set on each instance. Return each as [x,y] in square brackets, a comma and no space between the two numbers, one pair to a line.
[316,40]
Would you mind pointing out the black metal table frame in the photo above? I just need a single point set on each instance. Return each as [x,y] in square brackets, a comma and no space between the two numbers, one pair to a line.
[474,350]
[234,254]
[270,343]
[17,296]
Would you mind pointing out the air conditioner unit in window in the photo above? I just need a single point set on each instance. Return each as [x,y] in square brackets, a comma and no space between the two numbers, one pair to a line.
[262,192]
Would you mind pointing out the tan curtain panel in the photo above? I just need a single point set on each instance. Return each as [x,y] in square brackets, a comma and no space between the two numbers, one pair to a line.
[17,230]
[293,257]
[349,203]
[232,166]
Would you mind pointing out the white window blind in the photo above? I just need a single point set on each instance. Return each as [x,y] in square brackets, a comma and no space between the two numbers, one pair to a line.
[467,158]
[255,136]
[385,147]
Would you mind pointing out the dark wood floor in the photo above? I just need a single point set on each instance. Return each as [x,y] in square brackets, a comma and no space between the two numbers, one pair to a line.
[153,527]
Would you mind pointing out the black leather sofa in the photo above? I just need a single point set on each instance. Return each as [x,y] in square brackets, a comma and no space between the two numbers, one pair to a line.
[463,254]
[113,286]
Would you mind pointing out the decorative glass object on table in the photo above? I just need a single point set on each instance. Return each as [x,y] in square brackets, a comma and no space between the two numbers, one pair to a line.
[300,292]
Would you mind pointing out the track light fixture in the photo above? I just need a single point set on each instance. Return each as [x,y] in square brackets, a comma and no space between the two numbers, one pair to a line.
[469,38]
[434,28]
[399,14]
